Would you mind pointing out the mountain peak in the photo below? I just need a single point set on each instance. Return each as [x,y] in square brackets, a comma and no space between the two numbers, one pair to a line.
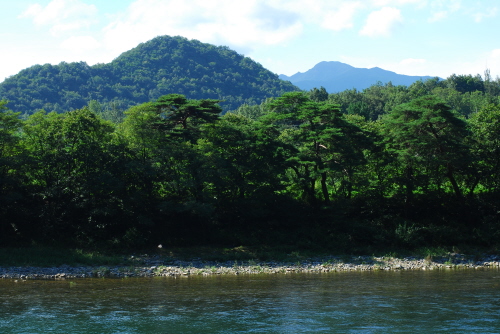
[336,76]
[163,65]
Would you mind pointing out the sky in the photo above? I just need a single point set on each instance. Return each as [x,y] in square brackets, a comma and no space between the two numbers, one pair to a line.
[412,37]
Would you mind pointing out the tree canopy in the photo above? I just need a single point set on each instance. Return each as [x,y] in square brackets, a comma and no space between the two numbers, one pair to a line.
[164,65]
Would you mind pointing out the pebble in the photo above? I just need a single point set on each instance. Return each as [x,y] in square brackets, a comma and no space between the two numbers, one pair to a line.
[155,266]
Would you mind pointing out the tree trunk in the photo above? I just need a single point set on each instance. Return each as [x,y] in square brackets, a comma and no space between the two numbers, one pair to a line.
[324,188]
[454,184]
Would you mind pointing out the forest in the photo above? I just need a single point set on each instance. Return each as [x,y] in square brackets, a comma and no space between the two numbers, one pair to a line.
[387,167]
[161,66]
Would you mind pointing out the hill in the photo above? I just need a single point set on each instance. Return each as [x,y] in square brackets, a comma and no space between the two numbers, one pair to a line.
[336,77]
[161,66]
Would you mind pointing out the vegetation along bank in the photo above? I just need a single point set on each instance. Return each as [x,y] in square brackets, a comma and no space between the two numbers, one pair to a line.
[147,266]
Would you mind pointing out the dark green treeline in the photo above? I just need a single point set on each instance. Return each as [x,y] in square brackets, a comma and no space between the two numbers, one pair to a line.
[304,169]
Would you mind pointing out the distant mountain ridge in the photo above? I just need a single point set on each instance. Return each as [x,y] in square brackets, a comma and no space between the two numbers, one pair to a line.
[336,77]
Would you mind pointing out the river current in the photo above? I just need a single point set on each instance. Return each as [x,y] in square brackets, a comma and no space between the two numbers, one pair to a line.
[451,301]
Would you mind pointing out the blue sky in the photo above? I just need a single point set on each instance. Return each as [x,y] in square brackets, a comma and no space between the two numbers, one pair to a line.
[414,37]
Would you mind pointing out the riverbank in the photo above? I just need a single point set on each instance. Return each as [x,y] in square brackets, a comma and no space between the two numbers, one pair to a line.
[151,266]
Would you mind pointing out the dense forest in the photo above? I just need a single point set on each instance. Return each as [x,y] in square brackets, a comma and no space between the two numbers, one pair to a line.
[386,167]
[161,66]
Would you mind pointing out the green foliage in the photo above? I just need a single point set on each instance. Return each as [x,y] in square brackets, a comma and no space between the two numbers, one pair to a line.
[464,94]
[11,178]
[327,147]
[253,112]
[426,135]
[75,175]
[39,256]
[295,171]
[164,65]
[485,142]
[465,83]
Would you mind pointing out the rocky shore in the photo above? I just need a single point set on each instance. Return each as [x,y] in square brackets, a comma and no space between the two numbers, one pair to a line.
[150,266]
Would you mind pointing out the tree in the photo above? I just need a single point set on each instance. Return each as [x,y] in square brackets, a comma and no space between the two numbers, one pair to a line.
[465,83]
[75,176]
[318,95]
[485,126]
[177,112]
[426,134]
[244,162]
[325,143]
[254,111]
[11,157]
[173,171]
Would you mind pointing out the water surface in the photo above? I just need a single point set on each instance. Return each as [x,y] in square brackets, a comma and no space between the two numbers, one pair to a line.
[462,301]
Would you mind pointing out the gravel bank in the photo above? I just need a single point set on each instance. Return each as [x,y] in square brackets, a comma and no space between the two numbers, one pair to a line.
[147,266]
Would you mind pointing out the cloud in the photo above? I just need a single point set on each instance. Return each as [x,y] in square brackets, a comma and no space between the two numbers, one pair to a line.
[493,61]
[438,16]
[256,22]
[241,25]
[495,54]
[218,21]
[382,22]
[80,43]
[479,16]
[382,3]
[441,9]
[412,61]
[62,15]
[342,18]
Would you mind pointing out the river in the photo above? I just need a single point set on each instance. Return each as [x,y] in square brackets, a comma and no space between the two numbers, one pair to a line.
[451,301]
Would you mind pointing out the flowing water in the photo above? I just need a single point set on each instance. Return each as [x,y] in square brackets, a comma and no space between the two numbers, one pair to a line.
[461,301]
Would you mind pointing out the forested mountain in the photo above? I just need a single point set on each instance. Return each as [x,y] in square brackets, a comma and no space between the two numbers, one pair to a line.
[336,77]
[164,65]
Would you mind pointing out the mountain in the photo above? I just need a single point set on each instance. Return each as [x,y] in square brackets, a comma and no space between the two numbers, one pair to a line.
[158,67]
[336,77]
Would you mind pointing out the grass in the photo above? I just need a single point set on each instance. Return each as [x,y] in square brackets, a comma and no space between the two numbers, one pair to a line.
[37,256]
[430,253]
[40,256]
[239,254]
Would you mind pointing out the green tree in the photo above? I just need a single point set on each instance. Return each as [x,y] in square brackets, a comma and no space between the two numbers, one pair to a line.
[244,163]
[465,83]
[325,143]
[11,158]
[318,95]
[426,134]
[485,126]
[174,176]
[75,176]
[177,112]
[253,112]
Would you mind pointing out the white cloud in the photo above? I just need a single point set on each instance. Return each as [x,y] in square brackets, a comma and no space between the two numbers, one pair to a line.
[412,61]
[493,61]
[478,10]
[479,16]
[438,16]
[80,43]
[495,54]
[237,24]
[413,66]
[382,3]
[474,65]
[62,15]
[441,9]
[382,22]
[342,18]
